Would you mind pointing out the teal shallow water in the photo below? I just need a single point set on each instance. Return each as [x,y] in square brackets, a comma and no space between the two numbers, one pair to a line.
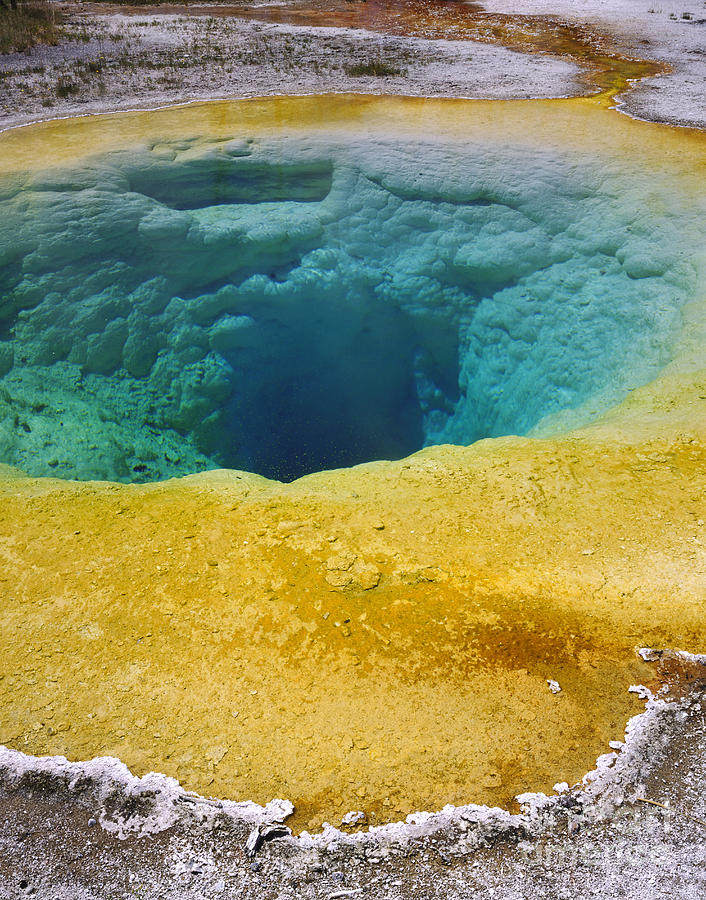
[289,305]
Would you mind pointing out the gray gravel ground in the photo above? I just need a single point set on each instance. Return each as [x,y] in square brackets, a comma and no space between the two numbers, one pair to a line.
[125,62]
[672,31]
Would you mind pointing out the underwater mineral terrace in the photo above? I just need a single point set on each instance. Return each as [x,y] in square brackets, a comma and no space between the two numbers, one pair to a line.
[292,286]
[285,305]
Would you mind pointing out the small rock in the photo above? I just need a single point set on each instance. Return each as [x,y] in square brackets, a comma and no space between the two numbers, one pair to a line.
[554,686]
[339,579]
[368,576]
[354,817]
[341,562]
[265,832]
[92,822]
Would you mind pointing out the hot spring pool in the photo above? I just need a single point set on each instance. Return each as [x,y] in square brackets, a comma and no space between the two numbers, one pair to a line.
[292,285]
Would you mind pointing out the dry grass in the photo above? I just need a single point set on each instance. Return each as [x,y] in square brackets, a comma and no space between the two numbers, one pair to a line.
[376,67]
[31,22]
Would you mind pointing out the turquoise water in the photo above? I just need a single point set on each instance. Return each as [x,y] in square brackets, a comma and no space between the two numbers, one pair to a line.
[284,306]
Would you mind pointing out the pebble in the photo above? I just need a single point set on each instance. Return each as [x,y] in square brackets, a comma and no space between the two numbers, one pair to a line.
[355,816]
